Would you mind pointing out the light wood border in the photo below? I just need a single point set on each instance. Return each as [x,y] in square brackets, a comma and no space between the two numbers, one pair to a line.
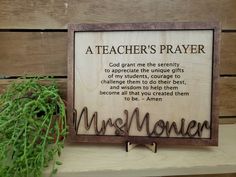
[212,141]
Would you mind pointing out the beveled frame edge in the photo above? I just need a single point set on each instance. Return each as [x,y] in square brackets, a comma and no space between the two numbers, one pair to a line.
[215,26]
[215,85]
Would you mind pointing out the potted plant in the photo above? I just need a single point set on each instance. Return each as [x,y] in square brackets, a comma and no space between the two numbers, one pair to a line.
[32,128]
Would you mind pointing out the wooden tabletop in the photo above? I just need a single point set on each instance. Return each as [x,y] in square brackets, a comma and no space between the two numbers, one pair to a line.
[112,160]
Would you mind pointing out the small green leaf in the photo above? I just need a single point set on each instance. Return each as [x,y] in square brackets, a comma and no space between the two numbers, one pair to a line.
[58,163]
[50,138]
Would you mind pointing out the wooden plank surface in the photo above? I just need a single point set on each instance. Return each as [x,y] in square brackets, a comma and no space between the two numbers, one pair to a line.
[227,93]
[112,161]
[44,53]
[57,14]
[227,120]
[228,53]
[228,96]
[35,53]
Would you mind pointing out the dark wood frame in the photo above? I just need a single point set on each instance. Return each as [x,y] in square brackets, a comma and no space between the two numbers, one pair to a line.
[212,141]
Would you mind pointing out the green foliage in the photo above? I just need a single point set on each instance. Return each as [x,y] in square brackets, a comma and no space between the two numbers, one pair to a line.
[32,128]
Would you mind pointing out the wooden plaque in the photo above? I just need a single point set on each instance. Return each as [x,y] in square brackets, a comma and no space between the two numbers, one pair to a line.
[144,83]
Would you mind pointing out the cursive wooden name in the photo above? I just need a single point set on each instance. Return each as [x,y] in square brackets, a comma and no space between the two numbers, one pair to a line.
[122,126]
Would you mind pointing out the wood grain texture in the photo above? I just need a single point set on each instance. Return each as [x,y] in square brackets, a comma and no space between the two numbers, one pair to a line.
[53,14]
[45,53]
[228,53]
[227,120]
[228,96]
[227,93]
[112,161]
[34,53]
